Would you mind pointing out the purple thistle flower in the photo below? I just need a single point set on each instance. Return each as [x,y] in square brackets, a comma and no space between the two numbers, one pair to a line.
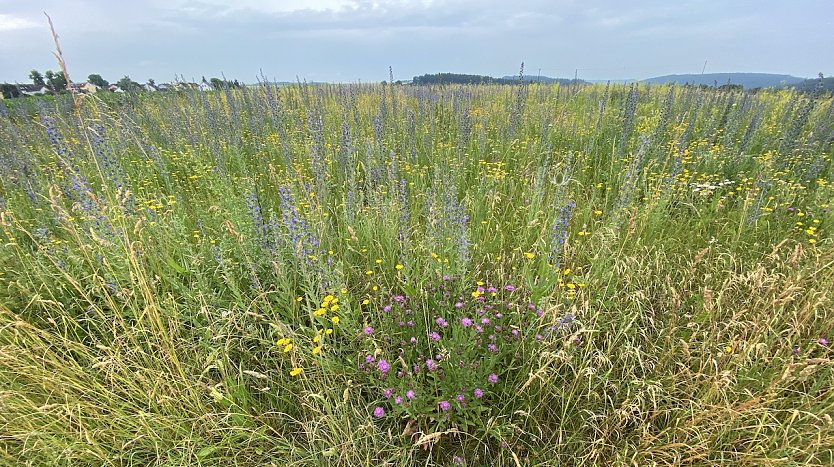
[431,365]
[369,358]
[398,400]
[509,287]
[466,322]
[410,394]
[383,366]
[434,336]
[492,348]
[368,330]
[379,412]
[461,398]
[493,378]
[458,305]
[479,393]
[823,342]
[413,340]
[388,393]
[445,405]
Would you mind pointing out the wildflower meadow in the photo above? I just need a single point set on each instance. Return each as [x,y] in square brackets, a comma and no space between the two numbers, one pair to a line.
[387,274]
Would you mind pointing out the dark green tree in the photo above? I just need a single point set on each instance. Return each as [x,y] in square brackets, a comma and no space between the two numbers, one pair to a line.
[56,81]
[37,78]
[9,90]
[98,81]
[128,84]
[217,83]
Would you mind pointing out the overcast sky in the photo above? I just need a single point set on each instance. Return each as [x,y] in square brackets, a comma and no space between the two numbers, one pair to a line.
[350,40]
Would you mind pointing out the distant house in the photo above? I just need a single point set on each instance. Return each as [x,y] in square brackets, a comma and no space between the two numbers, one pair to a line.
[150,87]
[84,88]
[115,88]
[164,87]
[205,86]
[32,89]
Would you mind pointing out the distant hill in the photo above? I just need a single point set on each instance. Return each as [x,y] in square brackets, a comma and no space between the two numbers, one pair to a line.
[458,78]
[748,80]
[540,79]
[810,85]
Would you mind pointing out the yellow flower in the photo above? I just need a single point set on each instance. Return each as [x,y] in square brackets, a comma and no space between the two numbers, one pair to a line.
[398,267]
[328,299]
[316,350]
[598,212]
[476,294]
[296,371]
[297,299]
[334,308]
[335,320]
[366,301]
[344,290]
[316,339]
[319,312]
[369,272]
[287,347]
[530,255]
[328,331]
[728,349]
[283,341]
[378,261]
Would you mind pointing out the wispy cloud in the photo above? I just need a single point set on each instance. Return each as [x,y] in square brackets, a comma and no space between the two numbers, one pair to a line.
[15,23]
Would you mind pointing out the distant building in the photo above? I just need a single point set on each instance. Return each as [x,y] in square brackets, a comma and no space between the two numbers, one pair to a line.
[115,88]
[32,89]
[205,86]
[84,88]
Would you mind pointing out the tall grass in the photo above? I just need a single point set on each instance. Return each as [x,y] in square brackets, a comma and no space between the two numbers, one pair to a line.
[261,276]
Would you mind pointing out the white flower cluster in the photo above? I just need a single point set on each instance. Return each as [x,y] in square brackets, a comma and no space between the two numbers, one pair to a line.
[709,187]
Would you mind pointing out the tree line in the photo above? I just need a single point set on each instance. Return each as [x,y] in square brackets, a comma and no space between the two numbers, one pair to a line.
[56,83]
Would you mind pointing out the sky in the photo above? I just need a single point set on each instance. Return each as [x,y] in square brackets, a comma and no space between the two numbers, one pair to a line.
[357,40]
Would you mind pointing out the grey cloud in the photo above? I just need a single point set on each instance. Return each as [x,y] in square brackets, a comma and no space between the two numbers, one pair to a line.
[350,40]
